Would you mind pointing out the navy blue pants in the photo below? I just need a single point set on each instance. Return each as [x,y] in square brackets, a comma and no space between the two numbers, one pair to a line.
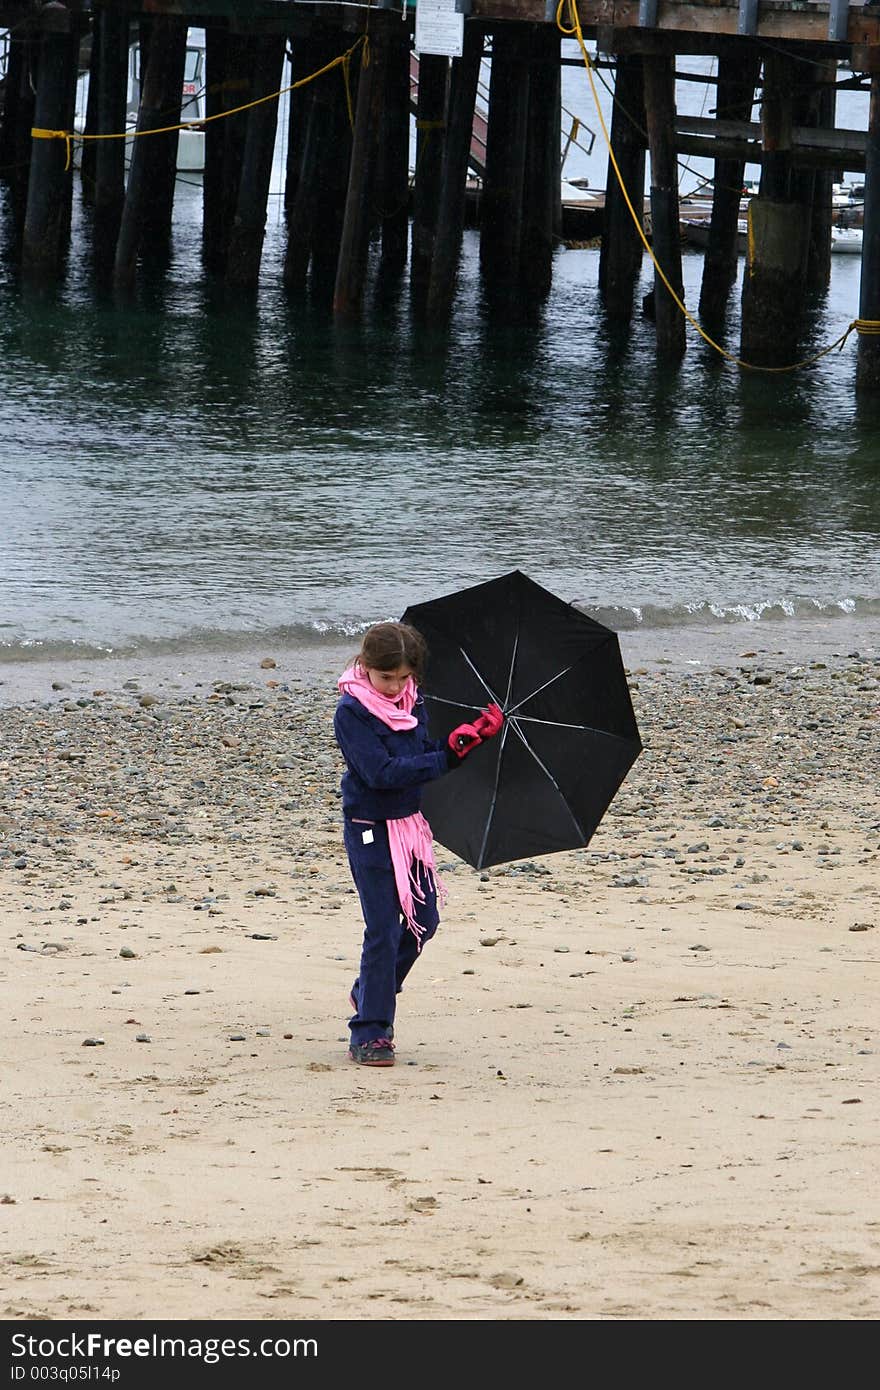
[390,948]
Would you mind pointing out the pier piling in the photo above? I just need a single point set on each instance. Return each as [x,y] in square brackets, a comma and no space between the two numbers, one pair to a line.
[393,171]
[316,200]
[737,75]
[145,226]
[216,56]
[430,140]
[352,265]
[303,61]
[17,122]
[109,162]
[822,113]
[47,218]
[306,171]
[774,280]
[665,233]
[238,90]
[868,367]
[89,151]
[773,284]
[542,168]
[501,203]
[249,224]
[332,189]
[450,221]
[620,256]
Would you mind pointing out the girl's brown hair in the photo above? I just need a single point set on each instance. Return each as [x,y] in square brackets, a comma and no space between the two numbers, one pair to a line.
[388,645]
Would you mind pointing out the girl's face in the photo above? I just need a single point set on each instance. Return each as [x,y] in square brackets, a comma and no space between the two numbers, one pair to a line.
[389,683]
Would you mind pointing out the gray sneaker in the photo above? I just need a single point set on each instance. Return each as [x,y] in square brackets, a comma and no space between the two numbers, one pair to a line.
[378,1052]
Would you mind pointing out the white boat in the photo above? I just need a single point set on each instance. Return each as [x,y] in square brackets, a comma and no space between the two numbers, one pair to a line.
[848,195]
[847,240]
[190,143]
[844,240]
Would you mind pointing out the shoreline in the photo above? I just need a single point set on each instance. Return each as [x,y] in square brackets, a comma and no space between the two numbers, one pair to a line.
[635,1081]
[774,644]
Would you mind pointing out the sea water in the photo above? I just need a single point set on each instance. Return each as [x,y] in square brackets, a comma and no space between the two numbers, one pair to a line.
[185,473]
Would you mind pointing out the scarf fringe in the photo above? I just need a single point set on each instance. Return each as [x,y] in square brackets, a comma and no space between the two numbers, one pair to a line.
[412,853]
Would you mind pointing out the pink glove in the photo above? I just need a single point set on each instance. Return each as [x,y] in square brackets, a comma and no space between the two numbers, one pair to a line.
[490,722]
[463,739]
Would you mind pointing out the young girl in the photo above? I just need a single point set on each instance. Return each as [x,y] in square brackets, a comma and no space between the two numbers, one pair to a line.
[381,728]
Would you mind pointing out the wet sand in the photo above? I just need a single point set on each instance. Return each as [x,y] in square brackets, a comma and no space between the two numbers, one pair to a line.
[636,1081]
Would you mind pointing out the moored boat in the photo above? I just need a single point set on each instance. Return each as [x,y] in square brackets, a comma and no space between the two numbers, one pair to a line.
[695,232]
[190,142]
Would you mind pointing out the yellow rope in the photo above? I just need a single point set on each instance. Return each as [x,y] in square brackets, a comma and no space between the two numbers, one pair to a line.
[38,133]
[865,327]
[344,60]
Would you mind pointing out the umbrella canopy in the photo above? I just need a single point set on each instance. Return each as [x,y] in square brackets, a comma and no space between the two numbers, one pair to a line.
[569,736]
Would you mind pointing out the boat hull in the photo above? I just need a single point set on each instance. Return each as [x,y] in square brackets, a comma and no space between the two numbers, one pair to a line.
[845,241]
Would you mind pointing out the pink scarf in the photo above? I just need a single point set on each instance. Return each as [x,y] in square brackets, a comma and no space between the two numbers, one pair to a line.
[409,837]
[396,713]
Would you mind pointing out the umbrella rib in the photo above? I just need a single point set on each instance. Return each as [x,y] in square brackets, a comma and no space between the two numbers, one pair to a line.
[494,798]
[557,724]
[458,704]
[488,689]
[512,666]
[514,723]
[526,698]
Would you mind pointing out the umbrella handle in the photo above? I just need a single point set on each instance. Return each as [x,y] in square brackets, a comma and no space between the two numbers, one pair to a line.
[463,739]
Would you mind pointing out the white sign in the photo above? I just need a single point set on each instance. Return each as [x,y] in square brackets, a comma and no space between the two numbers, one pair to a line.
[438,28]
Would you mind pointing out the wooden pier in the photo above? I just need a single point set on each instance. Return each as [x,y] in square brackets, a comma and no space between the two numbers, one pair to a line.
[354,211]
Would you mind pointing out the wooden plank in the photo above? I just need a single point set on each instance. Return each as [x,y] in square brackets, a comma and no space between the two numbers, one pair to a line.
[777,19]
[804,137]
[751,153]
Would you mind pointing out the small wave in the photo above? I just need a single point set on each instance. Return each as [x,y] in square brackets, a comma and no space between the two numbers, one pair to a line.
[326,633]
[314,634]
[712,614]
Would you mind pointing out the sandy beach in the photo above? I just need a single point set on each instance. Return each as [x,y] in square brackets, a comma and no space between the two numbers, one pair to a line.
[637,1081]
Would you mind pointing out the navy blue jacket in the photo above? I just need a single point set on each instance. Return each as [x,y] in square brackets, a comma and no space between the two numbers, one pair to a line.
[386,767]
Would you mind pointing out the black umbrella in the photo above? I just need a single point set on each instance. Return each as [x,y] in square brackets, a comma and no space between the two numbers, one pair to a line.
[569,736]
